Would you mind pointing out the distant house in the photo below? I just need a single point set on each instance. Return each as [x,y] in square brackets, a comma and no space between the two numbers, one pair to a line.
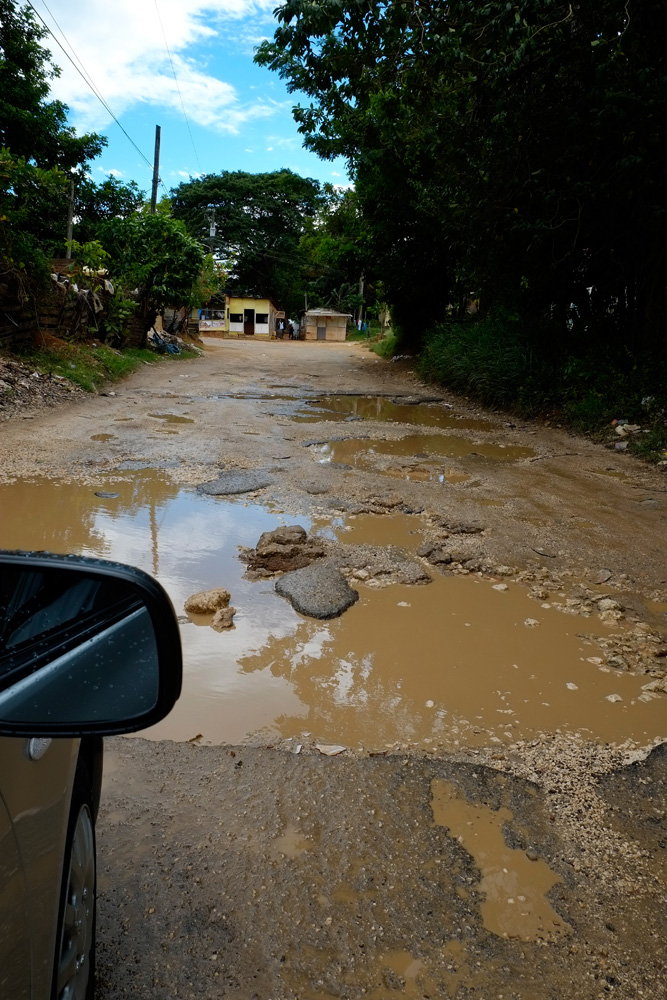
[239,316]
[324,324]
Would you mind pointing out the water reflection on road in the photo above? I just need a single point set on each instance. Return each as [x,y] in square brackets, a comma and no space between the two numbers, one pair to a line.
[450,664]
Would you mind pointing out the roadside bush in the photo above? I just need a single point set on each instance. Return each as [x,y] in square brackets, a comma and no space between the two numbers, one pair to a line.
[387,347]
[500,362]
[492,359]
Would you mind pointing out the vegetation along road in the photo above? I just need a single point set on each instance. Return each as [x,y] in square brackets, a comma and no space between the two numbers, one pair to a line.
[452,788]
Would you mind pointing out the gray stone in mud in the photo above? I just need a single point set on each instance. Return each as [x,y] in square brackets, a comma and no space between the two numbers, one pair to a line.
[236,481]
[318,591]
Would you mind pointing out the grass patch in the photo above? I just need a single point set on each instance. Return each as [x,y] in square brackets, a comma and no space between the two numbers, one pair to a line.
[387,347]
[89,366]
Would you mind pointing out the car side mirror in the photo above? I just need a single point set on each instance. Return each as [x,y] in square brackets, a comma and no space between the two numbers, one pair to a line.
[86,647]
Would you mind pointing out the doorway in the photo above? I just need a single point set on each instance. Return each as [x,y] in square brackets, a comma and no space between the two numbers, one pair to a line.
[248,322]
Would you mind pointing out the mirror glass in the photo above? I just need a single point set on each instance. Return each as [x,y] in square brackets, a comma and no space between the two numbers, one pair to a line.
[75,648]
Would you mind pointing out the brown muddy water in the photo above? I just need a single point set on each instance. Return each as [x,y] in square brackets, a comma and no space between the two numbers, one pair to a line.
[417,457]
[380,408]
[514,886]
[451,664]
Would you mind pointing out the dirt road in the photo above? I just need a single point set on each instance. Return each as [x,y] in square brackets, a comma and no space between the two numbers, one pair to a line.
[492,823]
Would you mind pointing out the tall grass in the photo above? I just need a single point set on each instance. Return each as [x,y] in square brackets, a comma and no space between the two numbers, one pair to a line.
[490,360]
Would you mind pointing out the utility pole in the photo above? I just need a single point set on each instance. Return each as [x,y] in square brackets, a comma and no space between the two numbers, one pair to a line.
[156,169]
[212,228]
[70,222]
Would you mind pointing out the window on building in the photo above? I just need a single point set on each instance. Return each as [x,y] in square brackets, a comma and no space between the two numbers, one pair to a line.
[236,317]
[261,317]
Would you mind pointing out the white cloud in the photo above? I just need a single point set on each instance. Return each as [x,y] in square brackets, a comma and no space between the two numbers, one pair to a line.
[111,173]
[335,173]
[122,48]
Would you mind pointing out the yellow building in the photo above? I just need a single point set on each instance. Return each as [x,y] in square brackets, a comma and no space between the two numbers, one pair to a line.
[240,317]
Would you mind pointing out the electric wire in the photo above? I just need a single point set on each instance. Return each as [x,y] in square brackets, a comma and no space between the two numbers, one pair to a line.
[88,81]
[173,70]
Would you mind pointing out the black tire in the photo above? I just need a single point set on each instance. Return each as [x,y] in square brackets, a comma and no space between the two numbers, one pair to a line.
[74,964]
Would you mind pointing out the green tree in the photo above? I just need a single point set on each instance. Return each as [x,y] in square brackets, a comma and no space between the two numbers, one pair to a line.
[95,203]
[154,255]
[509,148]
[31,125]
[259,220]
[336,254]
[39,149]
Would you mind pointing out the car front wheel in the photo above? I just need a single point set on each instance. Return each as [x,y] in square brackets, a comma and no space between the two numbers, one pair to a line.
[75,957]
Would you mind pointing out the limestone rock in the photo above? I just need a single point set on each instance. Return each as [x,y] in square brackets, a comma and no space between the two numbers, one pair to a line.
[223,618]
[207,602]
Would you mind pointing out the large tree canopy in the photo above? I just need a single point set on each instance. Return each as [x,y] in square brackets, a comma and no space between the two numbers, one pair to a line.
[31,125]
[38,150]
[509,148]
[259,220]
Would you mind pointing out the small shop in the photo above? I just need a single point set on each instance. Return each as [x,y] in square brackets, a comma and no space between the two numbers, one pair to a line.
[324,324]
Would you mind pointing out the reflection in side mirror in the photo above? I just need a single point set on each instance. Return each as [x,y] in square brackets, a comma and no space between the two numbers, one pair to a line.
[86,646]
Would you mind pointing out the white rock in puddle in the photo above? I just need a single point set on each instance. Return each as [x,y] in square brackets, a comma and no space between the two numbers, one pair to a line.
[658,685]
[500,586]
[429,703]
[614,697]
[572,687]
[329,749]
[531,622]
[403,604]
[610,617]
[607,604]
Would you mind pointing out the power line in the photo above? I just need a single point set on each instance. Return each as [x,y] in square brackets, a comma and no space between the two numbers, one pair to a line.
[173,70]
[83,73]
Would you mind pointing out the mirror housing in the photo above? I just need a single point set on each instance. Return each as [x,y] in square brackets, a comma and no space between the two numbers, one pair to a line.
[87,647]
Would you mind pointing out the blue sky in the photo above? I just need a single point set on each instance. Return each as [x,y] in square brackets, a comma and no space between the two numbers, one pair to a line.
[239,115]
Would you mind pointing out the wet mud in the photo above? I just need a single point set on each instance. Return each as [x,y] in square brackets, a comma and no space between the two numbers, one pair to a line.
[459,661]
[468,826]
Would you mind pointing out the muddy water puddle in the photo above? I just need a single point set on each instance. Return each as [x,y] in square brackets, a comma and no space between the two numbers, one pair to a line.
[454,663]
[380,408]
[514,885]
[411,457]
[172,418]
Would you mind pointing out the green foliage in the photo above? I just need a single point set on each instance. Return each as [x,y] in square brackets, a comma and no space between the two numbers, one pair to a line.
[387,347]
[492,360]
[32,126]
[91,255]
[211,282]
[91,366]
[95,203]
[512,150]
[118,309]
[38,149]
[259,221]
[154,255]
[28,195]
